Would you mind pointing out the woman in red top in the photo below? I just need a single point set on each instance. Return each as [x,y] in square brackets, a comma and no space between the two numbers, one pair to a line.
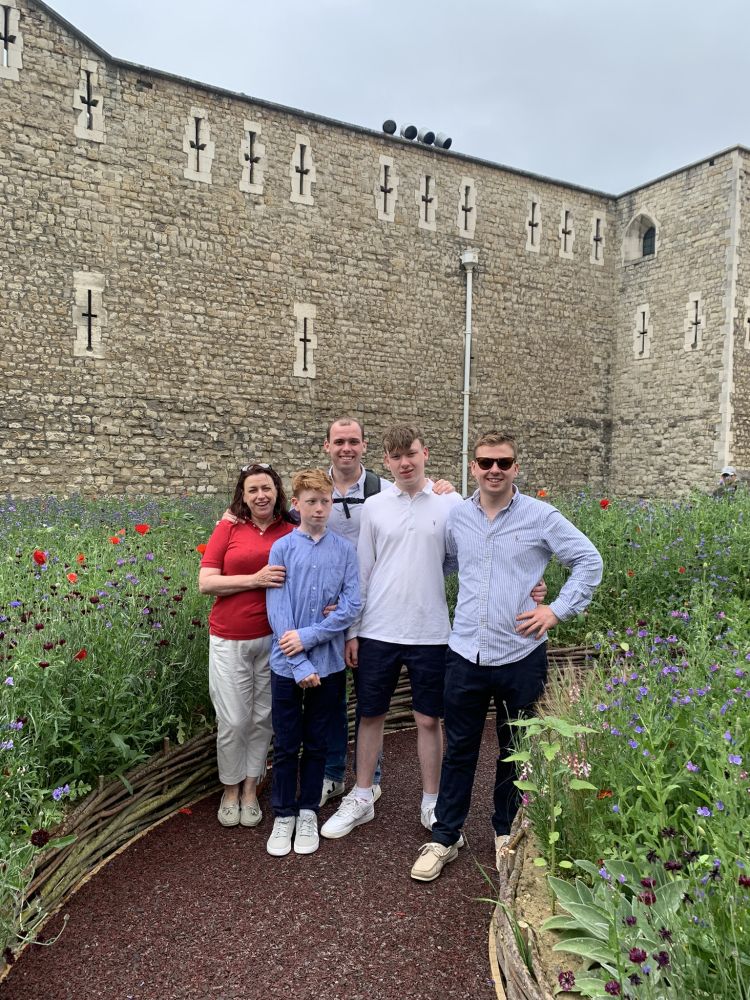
[235,568]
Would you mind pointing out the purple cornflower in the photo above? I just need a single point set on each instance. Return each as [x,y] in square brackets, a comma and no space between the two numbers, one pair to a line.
[150,556]
[6,744]
[566,980]
[9,681]
[59,792]
[605,874]
[692,767]
[633,744]
[612,987]
[719,805]
[734,758]
[728,737]
[637,955]
[703,811]
[662,959]
[630,920]
[16,725]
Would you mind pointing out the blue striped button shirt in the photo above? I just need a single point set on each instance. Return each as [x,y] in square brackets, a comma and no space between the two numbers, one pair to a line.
[318,573]
[500,561]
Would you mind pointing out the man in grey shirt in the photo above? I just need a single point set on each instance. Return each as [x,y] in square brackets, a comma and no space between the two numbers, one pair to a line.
[497,649]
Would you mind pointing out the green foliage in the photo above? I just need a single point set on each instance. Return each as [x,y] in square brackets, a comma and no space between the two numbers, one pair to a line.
[103,643]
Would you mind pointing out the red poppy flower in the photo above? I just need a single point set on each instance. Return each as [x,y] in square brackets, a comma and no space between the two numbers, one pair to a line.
[114,539]
[39,557]
[80,558]
[201,548]
[73,577]
[121,531]
[604,793]
[81,654]
[631,572]
[541,493]
[604,503]
[186,811]
[142,529]
[681,569]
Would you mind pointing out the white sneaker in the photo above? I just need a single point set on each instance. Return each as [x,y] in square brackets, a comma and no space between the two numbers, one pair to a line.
[377,791]
[280,841]
[427,815]
[331,790]
[306,839]
[352,812]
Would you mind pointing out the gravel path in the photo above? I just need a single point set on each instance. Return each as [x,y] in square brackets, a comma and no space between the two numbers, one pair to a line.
[193,911]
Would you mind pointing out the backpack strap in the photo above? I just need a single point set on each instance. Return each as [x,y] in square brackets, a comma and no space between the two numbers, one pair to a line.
[372,483]
[371,487]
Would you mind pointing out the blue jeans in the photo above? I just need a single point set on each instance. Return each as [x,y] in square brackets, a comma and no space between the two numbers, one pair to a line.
[469,688]
[301,720]
[338,739]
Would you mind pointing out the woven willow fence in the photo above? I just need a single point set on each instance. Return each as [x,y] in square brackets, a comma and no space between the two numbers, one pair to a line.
[122,809]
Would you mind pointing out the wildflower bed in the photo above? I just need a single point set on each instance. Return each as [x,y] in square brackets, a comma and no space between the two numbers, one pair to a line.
[636,779]
[103,645]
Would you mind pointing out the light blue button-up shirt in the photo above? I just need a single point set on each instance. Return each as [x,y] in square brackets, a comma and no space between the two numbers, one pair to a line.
[500,561]
[319,572]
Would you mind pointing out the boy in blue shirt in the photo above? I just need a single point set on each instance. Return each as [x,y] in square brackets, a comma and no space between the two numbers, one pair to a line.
[309,615]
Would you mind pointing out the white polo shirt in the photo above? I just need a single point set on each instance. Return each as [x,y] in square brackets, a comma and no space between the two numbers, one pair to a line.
[401,551]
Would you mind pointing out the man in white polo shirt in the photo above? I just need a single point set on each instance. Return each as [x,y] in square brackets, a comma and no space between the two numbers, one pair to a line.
[401,554]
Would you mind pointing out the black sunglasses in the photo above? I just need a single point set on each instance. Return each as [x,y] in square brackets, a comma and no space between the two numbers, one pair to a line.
[485,464]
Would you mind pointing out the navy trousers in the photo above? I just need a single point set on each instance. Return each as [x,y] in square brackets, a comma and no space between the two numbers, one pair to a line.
[301,720]
[469,689]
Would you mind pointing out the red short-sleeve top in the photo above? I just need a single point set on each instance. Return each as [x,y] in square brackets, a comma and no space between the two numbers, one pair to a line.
[238,549]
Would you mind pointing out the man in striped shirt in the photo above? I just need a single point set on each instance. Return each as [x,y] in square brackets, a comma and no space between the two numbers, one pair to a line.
[497,649]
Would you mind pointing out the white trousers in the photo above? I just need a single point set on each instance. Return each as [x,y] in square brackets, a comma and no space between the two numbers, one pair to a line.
[239,682]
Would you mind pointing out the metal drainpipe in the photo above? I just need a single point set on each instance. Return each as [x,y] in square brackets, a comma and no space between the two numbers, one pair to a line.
[469,260]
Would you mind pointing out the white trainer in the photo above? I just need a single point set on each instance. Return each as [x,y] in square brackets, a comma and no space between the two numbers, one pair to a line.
[427,816]
[306,840]
[280,841]
[352,812]
[331,790]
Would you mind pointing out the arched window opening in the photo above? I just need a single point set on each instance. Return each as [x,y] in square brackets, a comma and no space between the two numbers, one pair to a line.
[649,242]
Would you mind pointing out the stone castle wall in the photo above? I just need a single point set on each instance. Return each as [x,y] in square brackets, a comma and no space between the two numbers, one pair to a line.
[204,278]
[666,400]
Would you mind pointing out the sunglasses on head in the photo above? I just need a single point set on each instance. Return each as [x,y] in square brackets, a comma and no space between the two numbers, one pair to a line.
[256,467]
[485,464]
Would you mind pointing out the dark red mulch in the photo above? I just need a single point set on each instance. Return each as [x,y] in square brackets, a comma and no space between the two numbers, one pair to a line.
[193,911]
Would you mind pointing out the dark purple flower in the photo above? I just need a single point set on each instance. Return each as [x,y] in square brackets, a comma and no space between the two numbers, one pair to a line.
[566,980]
[630,920]
[668,832]
[647,897]
[648,883]
[673,866]
[662,959]
[744,881]
[637,955]
[612,987]
[652,856]
[40,838]
[634,979]
[665,935]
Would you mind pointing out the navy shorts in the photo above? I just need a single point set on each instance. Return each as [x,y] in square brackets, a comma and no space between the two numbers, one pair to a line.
[376,677]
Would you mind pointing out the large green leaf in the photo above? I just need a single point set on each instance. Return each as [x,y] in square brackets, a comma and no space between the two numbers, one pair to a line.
[588,947]
[590,919]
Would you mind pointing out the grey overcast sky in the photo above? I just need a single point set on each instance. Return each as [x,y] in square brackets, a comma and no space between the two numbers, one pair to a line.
[604,93]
